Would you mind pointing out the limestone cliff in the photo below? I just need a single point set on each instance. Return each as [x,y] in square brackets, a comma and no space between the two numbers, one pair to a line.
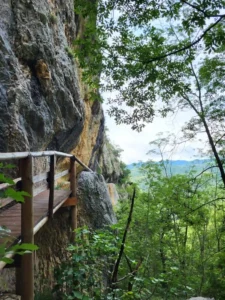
[43,102]
[44,105]
[41,105]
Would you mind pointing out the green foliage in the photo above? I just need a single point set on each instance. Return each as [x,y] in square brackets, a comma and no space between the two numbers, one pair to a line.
[125,177]
[5,233]
[174,248]
[174,229]
[153,57]
[89,46]
[92,258]
[70,52]
[44,295]
[138,175]
[53,18]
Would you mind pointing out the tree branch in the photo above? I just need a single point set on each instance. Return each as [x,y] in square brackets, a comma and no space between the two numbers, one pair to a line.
[216,142]
[204,172]
[187,46]
[197,208]
[200,10]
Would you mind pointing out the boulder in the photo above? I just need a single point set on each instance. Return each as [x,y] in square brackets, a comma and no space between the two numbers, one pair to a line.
[95,207]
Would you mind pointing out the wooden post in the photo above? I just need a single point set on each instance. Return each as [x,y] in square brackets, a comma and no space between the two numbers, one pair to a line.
[27,225]
[51,179]
[73,194]
[18,281]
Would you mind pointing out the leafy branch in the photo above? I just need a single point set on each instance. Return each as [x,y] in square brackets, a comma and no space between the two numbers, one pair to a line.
[186,47]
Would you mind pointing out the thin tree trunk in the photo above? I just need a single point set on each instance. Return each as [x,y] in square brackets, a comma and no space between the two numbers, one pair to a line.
[214,150]
[117,263]
[201,115]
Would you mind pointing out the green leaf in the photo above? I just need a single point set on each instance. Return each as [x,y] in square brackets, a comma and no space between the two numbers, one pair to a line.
[2,250]
[6,166]
[18,196]
[6,179]
[78,295]
[7,260]
[25,246]
[9,166]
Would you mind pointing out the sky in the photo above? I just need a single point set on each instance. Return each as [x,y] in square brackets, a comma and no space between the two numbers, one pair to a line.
[135,145]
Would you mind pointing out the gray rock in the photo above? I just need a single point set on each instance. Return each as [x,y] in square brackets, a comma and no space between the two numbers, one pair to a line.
[40,104]
[9,297]
[108,161]
[94,201]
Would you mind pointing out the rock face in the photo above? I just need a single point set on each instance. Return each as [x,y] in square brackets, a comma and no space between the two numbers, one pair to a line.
[95,207]
[91,140]
[10,297]
[40,101]
[43,103]
[107,161]
[114,196]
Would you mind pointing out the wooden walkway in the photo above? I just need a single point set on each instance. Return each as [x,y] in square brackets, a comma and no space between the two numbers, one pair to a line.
[25,219]
[11,217]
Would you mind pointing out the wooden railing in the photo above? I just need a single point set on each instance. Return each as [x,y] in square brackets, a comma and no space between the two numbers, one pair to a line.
[26,182]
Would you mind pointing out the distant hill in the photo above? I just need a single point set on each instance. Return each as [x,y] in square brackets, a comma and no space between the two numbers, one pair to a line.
[174,167]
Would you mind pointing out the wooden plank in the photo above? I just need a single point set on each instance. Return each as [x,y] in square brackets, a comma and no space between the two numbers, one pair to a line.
[51,181]
[5,185]
[4,202]
[27,225]
[72,201]
[21,155]
[40,189]
[40,177]
[61,174]
[11,217]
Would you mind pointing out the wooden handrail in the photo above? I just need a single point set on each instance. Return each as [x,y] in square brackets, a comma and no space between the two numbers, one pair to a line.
[83,165]
[19,155]
[61,174]
[51,186]
[27,222]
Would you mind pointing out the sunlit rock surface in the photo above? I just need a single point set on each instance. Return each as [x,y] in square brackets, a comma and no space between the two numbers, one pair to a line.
[114,196]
